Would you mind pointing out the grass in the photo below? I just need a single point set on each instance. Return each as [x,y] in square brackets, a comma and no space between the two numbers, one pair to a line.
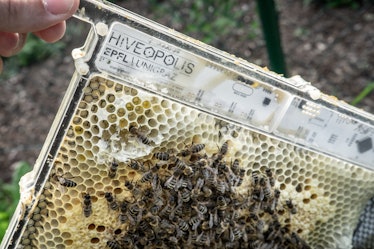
[363,94]
[9,196]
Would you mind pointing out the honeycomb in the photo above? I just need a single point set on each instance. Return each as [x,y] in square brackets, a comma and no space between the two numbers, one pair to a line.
[136,170]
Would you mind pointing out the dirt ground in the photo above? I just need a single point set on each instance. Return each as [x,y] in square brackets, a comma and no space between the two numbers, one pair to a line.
[332,48]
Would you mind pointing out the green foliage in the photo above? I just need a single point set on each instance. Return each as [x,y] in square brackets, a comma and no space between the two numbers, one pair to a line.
[338,3]
[35,50]
[9,196]
[365,92]
[206,20]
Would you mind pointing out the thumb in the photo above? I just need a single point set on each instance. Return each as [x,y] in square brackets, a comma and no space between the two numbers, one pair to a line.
[24,16]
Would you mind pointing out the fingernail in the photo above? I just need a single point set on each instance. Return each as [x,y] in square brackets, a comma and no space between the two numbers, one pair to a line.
[57,7]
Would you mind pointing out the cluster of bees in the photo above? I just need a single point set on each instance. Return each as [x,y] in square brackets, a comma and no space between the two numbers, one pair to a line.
[189,199]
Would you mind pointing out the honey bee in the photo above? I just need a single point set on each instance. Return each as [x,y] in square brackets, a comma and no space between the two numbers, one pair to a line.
[183,227]
[147,177]
[188,171]
[195,148]
[255,177]
[206,225]
[129,185]
[241,177]
[185,195]
[173,242]
[274,202]
[183,183]
[135,165]
[235,167]
[143,138]
[235,233]
[143,225]
[167,211]
[128,241]
[113,169]
[224,148]
[123,216]
[267,192]
[201,208]
[172,180]
[260,226]
[135,211]
[210,176]
[298,242]
[113,204]
[221,186]
[154,220]
[136,192]
[180,164]
[113,244]
[203,238]
[194,222]
[198,185]
[291,206]
[221,203]
[258,194]
[163,156]
[222,168]
[269,174]
[184,153]
[222,227]
[64,181]
[207,192]
[87,205]
[167,226]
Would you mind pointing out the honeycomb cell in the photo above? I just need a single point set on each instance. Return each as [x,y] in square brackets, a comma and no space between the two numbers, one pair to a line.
[320,187]
[60,246]
[123,123]
[139,110]
[110,98]
[50,244]
[101,103]
[121,112]
[132,116]
[141,120]
[129,107]
[67,206]
[62,219]
[112,118]
[146,104]
[118,88]
[104,124]
[111,109]
[100,229]
[94,109]
[95,240]
[94,119]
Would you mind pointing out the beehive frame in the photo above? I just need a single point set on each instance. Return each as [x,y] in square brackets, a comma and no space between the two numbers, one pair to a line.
[120,135]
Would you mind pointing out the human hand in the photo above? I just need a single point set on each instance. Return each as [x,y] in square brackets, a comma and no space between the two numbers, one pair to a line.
[44,18]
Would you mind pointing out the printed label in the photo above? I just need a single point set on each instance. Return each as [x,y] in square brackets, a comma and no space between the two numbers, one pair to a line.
[128,51]
[187,77]
[328,131]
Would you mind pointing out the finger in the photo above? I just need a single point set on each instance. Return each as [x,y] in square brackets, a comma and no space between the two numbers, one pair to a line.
[11,43]
[34,15]
[53,33]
